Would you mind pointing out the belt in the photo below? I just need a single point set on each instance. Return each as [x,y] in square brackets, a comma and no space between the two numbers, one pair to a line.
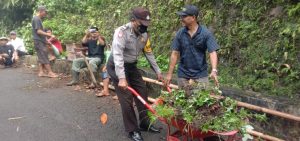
[130,64]
[126,65]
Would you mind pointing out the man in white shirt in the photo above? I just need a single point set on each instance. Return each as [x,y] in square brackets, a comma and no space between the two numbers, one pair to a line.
[17,43]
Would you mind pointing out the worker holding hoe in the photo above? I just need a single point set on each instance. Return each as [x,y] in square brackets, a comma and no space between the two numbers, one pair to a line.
[128,41]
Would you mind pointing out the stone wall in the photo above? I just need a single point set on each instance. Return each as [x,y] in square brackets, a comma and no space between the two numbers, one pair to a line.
[60,66]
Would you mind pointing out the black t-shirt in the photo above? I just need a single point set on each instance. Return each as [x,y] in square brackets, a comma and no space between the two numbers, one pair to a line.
[36,25]
[94,48]
[7,49]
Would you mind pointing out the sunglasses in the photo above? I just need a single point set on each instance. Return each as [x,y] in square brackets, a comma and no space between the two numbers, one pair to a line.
[92,30]
[184,16]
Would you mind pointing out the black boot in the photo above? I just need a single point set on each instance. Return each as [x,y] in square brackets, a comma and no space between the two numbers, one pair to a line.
[135,136]
[149,128]
[75,79]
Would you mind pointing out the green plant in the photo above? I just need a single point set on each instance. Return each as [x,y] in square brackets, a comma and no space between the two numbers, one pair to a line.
[64,54]
[163,111]
[200,109]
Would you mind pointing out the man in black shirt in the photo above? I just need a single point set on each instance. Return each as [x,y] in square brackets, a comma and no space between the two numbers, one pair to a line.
[95,46]
[7,53]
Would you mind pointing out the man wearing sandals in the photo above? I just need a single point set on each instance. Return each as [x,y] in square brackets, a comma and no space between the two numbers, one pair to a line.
[95,44]
[191,43]
[39,39]
[106,78]
[8,55]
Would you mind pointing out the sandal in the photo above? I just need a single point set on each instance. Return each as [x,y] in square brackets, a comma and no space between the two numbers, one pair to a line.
[52,75]
[115,97]
[91,86]
[101,94]
[52,58]
[42,75]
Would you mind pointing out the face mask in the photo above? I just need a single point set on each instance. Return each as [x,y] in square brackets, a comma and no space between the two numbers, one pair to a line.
[142,29]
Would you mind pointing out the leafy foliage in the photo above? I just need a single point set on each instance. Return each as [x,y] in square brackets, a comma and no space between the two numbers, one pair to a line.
[201,110]
[13,13]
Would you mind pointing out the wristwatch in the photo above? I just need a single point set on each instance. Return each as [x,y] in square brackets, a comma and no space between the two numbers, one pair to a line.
[215,70]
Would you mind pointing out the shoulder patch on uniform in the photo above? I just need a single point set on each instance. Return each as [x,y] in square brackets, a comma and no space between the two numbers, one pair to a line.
[124,27]
[121,30]
[147,47]
[120,34]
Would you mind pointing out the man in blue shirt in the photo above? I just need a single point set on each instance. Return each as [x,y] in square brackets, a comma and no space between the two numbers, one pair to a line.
[190,44]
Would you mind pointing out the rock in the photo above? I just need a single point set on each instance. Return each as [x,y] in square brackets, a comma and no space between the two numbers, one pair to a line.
[276,12]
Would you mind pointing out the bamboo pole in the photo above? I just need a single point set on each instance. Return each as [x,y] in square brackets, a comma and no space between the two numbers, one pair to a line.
[262,135]
[159,83]
[268,111]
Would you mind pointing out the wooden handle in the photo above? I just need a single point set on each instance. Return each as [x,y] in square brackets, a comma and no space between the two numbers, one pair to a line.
[268,111]
[91,72]
[264,136]
[159,83]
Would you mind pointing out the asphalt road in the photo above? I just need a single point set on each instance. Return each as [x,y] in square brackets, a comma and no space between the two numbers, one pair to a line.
[43,109]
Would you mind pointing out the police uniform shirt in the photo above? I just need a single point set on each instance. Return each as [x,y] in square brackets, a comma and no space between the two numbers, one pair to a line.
[127,46]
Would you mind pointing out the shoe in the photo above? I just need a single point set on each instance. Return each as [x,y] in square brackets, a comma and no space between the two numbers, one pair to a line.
[150,128]
[135,136]
[115,97]
[75,79]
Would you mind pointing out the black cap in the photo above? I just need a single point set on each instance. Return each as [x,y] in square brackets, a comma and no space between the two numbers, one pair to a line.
[142,14]
[94,27]
[189,10]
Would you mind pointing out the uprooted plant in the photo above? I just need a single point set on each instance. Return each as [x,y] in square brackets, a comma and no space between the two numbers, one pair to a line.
[203,109]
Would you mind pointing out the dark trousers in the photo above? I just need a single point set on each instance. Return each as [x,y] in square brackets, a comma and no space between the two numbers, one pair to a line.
[134,80]
[21,53]
[7,61]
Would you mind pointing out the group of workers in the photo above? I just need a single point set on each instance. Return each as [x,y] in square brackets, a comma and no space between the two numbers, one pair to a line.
[189,48]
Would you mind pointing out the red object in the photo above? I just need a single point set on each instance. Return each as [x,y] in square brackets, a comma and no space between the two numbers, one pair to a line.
[56,43]
[181,125]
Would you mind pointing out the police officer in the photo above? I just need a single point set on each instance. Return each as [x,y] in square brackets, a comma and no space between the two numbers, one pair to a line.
[128,42]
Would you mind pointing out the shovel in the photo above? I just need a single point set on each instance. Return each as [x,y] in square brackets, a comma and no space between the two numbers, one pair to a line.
[91,72]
